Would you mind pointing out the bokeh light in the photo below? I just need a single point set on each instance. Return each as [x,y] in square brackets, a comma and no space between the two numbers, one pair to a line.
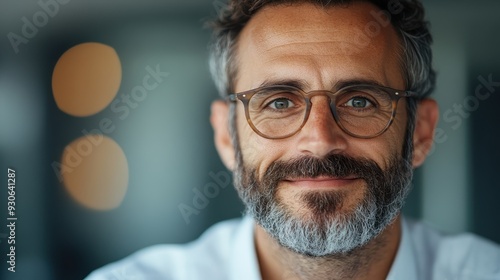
[95,172]
[86,79]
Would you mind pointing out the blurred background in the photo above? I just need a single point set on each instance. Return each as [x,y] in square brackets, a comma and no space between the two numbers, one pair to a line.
[97,181]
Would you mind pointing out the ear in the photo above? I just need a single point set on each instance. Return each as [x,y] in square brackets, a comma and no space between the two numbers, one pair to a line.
[219,119]
[425,125]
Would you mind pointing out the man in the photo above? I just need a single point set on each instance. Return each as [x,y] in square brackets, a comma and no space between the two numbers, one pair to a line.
[325,115]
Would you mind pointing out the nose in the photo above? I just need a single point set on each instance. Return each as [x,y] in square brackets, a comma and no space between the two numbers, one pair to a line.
[321,135]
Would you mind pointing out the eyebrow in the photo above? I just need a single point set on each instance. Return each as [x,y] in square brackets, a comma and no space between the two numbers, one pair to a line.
[298,83]
[303,84]
[352,82]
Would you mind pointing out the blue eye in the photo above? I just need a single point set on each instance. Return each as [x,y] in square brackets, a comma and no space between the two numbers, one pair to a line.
[281,103]
[358,102]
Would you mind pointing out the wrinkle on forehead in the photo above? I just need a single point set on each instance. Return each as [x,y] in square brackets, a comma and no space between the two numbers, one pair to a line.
[273,25]
[279,32]
[319,48]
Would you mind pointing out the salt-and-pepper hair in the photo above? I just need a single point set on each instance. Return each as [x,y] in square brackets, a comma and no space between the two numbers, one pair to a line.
[408,21]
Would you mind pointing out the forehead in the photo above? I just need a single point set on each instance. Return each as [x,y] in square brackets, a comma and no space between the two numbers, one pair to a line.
[327,43]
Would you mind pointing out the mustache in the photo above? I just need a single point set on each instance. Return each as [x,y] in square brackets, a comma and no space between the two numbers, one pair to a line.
[333,165]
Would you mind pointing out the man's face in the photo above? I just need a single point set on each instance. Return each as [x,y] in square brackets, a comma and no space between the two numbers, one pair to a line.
[321,181]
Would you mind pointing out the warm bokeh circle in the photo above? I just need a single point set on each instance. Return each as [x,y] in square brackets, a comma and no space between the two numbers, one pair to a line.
[95,172]
[86,79]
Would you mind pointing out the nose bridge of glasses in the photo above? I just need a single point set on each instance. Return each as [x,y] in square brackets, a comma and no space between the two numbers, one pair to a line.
[322,100]
[329,97]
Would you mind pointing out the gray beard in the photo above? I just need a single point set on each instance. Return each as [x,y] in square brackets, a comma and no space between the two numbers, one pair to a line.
[324,231]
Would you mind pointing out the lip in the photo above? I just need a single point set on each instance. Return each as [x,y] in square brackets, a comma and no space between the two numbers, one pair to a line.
[322,182]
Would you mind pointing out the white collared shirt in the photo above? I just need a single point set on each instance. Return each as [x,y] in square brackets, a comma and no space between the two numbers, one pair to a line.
[226,251]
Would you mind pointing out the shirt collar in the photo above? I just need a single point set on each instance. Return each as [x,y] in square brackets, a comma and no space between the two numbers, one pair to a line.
[404,266]
[243,262]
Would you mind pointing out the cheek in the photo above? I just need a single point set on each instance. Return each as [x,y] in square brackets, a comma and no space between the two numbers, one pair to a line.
[258,152]
[383,147]
[400,125]
[393,139]
[250,143]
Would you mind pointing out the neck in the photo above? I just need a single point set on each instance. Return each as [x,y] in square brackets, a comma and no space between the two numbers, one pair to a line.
[372,261]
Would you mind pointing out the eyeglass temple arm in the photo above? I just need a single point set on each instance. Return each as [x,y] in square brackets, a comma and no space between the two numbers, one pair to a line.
[409,93]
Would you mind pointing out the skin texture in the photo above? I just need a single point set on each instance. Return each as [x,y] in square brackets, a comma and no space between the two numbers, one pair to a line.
[316,47]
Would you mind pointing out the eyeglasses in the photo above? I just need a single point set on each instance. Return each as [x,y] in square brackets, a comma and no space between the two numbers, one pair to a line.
[280,111]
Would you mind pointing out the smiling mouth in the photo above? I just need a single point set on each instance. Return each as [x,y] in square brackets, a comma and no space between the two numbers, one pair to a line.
[322,182]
